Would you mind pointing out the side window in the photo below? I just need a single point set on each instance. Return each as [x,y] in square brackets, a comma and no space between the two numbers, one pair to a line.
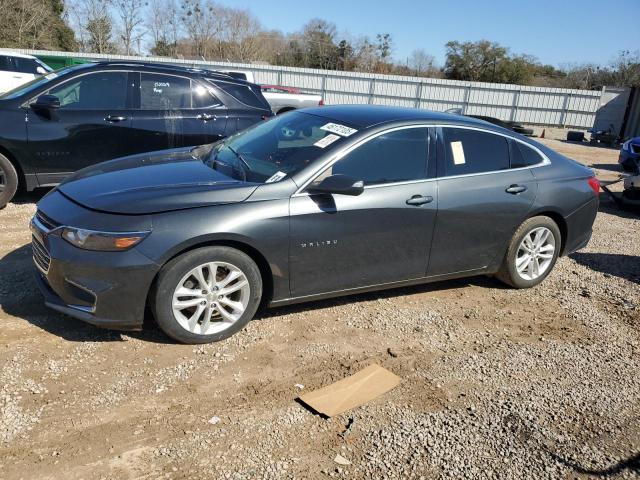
[203,97]
[95,91]
[250,96]
[472,151]
[522,155]
[5,64]
[164,92]
[25,65]
[397,156]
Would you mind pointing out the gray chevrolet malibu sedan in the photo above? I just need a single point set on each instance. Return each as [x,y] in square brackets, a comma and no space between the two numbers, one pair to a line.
[312,204]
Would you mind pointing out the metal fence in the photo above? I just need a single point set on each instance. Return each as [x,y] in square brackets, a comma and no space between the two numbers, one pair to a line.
[529,105]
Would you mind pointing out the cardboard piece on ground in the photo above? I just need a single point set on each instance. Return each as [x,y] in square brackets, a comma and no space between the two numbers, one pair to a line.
[351,392]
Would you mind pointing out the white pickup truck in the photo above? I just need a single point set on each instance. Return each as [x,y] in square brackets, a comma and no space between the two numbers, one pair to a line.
[281,99]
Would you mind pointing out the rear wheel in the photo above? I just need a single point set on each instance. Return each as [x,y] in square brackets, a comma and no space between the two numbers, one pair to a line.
[207,294]
[532,253]
[8,181]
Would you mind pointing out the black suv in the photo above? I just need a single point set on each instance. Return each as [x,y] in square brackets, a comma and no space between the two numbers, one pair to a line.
[90,113]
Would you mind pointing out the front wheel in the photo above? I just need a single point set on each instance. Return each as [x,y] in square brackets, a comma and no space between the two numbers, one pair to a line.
[207,295]
[532,253]
[8,181]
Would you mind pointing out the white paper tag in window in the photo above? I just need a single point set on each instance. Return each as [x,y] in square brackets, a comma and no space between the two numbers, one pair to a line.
[275,177]
[326,141]
[458,153]
[339,129]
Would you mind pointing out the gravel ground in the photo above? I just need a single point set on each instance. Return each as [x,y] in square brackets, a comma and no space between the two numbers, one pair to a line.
[496,383]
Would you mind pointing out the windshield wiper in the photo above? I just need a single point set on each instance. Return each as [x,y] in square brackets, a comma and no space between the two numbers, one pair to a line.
[246,164]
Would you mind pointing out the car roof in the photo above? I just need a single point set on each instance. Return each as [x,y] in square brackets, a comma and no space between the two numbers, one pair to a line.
[365,116]
[16,54]
[168,68]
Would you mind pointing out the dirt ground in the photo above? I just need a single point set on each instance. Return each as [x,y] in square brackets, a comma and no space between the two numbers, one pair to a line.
[496,383]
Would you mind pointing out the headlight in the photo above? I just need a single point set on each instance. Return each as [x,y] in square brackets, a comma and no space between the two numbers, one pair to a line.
[102,241]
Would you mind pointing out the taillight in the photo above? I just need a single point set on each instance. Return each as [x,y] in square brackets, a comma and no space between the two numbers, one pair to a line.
[321,103]
[595,185]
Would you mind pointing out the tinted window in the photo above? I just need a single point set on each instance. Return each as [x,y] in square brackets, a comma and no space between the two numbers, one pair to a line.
[251,97]
[471,151]
[523,156]
[164,92]
[94,91]
[25,65]
[203,98]
[391,157]
[5,64]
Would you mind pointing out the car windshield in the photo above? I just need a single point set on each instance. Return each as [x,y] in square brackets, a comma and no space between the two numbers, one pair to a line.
[33,84]
[278,148]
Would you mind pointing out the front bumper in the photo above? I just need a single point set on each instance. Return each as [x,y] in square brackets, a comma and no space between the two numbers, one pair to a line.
[107,289]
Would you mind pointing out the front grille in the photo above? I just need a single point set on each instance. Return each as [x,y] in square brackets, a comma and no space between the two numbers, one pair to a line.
[635,148]
[40,255]
[47,222]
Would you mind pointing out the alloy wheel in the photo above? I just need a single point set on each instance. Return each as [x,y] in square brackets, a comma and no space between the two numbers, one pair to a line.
[535,253]
[210,298]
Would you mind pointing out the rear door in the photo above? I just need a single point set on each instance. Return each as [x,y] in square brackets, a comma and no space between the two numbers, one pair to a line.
[92,124]
[175,111]
[482,199]
[340,242]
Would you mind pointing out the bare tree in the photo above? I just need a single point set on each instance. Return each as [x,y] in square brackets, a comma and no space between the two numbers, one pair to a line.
[164,25]
[202,20]
[240,35]
[24,23]
[93,24]
[131,25]
[421,62]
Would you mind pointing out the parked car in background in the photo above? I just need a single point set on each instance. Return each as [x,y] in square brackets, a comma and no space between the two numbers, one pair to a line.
[285,99]
[516,127]
[313,204]
[630,155]
[90,113]
[17,69]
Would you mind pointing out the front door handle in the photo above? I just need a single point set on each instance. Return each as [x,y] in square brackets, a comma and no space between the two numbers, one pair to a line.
[516,189]
[115,118]
[419,200]
[207,116]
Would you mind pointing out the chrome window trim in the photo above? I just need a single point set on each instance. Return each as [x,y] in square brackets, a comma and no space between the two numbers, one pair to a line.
[341,153]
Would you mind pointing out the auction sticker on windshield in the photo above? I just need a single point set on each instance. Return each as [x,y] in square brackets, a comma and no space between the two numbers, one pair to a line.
[276,177]
[339,129]
[326,141]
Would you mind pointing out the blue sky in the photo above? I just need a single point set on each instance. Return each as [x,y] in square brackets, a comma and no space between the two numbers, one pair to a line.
[558,32]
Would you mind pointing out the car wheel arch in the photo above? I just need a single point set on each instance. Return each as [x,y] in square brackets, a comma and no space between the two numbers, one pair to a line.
[559,220]
[16,164]
[253,253]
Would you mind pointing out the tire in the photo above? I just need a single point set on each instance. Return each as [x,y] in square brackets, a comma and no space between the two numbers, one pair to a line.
[574,136]
[8,181]
[517,253]
[180,323]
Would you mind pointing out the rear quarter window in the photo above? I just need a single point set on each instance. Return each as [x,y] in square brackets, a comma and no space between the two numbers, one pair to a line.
[523,155]
[246,94]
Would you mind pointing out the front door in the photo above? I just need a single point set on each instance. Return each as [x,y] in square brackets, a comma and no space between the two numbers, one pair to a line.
[341,242]
[174,111]
[92,125]
[481,200]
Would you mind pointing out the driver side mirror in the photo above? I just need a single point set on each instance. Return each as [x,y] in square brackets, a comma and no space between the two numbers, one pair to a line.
[46,103]
[338,184]
[41,70]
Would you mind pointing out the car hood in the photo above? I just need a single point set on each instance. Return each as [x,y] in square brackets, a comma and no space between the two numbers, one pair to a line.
[154,182]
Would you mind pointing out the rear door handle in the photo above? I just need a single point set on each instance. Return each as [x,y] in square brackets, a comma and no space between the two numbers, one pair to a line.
[515,189]
[207,116]
[115,118]
[419,200]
